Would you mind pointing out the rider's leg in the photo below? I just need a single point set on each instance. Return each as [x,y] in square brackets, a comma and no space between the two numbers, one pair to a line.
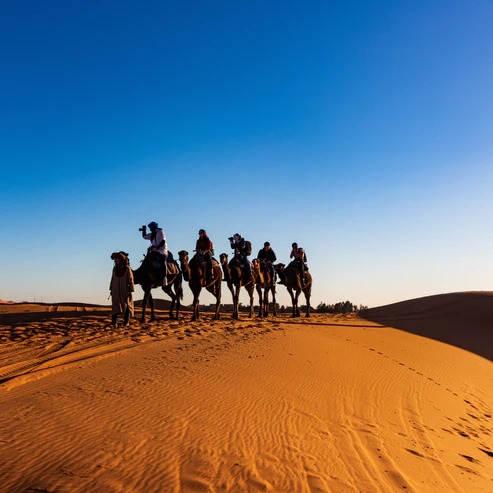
[165,269]
[302,271]
[248,269]
[208,261]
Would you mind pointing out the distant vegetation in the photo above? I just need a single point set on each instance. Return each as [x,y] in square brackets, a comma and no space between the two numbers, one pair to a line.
[341,307]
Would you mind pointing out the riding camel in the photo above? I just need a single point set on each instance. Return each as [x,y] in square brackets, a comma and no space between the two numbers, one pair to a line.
[150,275]
[195,272]
[265,281]
[235,276]
[290,276]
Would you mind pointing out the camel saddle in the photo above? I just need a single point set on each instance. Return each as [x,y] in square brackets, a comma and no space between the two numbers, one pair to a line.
[171,265]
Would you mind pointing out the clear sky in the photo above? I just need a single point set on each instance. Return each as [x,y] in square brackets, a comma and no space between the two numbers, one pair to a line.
[360,129]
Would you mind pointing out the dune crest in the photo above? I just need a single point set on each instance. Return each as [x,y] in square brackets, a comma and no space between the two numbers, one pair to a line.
[460,319]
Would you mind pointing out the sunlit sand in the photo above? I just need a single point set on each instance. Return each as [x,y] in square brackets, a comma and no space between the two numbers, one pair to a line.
[401,400]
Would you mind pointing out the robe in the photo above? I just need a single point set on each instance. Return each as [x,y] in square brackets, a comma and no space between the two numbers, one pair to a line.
[121,288]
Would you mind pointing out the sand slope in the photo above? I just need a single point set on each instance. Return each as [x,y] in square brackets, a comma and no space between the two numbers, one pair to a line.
[460,319]
[334,404]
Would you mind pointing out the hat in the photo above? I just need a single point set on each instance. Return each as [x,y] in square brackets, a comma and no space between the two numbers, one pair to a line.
[121,254]
[152,224]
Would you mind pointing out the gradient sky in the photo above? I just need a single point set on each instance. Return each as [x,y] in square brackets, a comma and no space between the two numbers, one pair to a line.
[360,129]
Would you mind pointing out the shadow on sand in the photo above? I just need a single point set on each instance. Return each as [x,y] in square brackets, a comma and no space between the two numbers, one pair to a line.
[464,320]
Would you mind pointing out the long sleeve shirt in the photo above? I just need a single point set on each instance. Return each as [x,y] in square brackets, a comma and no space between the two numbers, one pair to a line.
[158,241]
[203,245]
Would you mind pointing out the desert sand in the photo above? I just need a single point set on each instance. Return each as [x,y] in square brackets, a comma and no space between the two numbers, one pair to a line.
[397,398]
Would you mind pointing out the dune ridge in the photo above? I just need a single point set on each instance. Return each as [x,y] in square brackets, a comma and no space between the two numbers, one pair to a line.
[327,404]
[459,319]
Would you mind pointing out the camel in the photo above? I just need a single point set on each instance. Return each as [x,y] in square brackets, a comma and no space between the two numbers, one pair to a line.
[290,276]
[150,276]
[234,275]
[264,282]
[195,273]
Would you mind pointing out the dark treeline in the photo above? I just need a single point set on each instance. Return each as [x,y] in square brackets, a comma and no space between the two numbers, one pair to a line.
[341,307]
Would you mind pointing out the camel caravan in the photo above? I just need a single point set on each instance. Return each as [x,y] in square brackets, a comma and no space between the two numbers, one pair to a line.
[159,269]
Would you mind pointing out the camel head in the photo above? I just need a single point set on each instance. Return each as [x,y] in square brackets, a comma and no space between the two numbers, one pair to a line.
[183,256]
[279,268]
[223,258]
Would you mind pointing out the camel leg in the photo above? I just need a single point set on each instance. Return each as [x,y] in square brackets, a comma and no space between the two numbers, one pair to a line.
[144,305]
[178,305]
[251,302]
[297,297]
[174,303]
[293,302]
[266,302]
[236,299]
[307,297]
[195,315]
[218,301]
[177,296]
[167,290]
[274,303]
[170,313]
[151,304]
[260,301]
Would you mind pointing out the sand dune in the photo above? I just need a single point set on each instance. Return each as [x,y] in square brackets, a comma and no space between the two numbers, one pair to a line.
[461,319]
[331,403]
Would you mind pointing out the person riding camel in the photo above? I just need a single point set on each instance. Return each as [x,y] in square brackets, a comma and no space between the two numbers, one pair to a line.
[204,248]
[158,245]
[241,248]
[299,256]
[267,257]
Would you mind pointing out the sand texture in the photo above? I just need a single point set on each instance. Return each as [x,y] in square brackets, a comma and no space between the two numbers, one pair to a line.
[399,398]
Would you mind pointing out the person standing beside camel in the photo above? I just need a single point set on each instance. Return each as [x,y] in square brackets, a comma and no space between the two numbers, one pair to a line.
[158,245]
[299,256]
[121,289]
[204,248]
[267,257]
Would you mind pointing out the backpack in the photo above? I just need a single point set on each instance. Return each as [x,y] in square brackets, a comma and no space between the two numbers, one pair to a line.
[303,256]
[247,249]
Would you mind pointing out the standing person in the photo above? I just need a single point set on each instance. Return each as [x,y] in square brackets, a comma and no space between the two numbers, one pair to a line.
[204,248]
[121,289]
[158,245]
[242,249]
[299,256]
[267,257]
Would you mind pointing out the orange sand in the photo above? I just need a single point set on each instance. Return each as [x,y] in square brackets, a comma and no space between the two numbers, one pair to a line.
[331,403]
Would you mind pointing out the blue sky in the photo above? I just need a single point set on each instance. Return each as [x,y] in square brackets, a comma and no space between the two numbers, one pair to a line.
[361,130]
